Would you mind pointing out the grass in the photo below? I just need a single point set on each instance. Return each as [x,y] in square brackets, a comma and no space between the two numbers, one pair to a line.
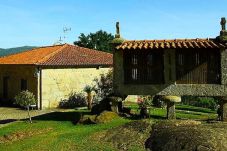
[182,112]
[57,131]
[61,133]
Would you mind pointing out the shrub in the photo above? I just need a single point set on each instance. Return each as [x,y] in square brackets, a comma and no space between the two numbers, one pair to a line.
[158,101]
[104,86]
[25,99]
[206,102]
[74,100]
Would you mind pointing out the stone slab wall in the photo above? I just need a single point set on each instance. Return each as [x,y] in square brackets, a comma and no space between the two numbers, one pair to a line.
[57,84]
[170,87]
[15,74]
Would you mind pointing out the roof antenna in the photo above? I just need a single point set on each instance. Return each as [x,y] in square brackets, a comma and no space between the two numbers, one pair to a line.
[63,38]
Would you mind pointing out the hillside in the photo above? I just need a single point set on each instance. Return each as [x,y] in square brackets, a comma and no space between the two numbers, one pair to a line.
[4,52]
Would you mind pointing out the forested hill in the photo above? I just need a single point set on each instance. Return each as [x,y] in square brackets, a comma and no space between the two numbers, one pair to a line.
[5,52]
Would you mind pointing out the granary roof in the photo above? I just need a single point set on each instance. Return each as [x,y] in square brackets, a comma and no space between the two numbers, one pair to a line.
[171,44]
[60,55]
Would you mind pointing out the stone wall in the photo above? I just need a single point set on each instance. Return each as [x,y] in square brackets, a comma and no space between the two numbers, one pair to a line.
[15,74]
[57,84]
[170,87]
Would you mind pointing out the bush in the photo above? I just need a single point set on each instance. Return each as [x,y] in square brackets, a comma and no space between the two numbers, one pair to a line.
[74,100]
[205,102]
[158,101]
[104,86]
[25,99]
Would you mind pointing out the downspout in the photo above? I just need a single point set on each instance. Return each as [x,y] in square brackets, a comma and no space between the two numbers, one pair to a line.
[40,88]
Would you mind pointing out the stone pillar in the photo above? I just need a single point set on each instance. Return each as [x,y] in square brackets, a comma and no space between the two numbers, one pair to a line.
[114,102]
[171,110]
[223,109]
[171,100]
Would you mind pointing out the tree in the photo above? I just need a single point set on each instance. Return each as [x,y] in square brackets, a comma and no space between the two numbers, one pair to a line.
[99,41]
[88,89]
[25,99]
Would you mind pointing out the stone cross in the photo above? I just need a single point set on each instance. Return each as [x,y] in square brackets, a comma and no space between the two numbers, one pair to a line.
[223,22]
[117,30]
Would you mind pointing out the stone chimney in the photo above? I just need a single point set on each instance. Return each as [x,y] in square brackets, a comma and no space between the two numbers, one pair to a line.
[223,32]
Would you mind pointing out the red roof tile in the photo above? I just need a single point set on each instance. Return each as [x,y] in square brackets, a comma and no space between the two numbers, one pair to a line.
[171,44]
[60,55]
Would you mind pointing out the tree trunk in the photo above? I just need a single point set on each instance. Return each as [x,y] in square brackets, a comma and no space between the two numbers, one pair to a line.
[89,101]
[30,119]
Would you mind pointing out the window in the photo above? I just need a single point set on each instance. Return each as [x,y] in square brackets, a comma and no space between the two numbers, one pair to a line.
[197,59]
[23,84]
[150,59]
[180,59]
[198,66]
[143,67]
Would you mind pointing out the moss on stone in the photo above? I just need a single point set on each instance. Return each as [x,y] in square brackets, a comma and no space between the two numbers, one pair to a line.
[105,117]
[187,136]
[117,41]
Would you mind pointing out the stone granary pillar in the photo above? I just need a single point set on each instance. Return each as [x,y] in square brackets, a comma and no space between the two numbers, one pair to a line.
[171,100]
[223,108]
[115,104]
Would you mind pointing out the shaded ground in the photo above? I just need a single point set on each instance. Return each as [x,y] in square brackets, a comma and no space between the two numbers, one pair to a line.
[8,114]
[130,136]
[188,136]
[17,113]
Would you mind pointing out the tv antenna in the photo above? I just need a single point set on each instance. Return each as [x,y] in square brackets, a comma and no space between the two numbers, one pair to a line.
[62,39]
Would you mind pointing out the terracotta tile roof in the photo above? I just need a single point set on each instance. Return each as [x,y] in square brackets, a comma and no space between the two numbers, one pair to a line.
[171,44]
[60,55]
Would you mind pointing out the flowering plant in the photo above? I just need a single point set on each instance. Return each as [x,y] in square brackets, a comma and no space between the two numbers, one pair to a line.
[144,101]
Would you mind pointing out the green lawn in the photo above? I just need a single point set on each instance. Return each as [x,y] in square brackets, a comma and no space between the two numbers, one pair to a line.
[57,131]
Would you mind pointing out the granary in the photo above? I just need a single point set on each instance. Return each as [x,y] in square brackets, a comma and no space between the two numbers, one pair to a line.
[51,72]
[177,67]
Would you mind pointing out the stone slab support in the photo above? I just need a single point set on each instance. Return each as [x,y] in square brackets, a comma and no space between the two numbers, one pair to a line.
[171,114]
[171,100]
[223,109]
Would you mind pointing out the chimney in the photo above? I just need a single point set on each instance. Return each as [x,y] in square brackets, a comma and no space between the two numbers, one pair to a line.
[223,32]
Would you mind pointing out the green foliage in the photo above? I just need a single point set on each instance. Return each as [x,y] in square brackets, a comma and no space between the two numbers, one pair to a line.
[88,89]
[4,52]
[158,101]
[205,102]
[104,85]
[144,101]
[74,100]
[25,99]
[99,41]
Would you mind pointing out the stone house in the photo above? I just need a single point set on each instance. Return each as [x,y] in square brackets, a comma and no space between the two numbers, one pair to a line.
[175,67]
[51,72]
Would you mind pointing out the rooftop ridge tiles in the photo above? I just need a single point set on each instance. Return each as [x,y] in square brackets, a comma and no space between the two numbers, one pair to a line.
[45,58]
[170,40]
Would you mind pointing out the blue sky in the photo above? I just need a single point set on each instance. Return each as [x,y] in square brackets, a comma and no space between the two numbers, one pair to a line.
[41,22]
